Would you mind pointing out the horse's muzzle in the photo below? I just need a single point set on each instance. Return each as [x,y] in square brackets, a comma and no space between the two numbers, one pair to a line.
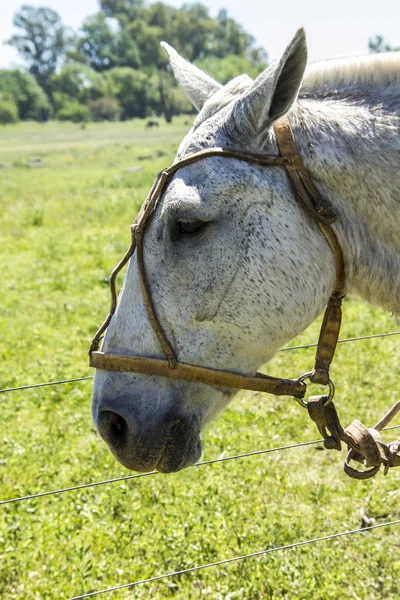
[169,446]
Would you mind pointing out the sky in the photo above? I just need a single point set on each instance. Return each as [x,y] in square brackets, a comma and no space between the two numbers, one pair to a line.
[338,28]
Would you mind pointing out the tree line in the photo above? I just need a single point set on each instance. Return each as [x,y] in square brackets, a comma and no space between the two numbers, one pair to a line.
[114,68]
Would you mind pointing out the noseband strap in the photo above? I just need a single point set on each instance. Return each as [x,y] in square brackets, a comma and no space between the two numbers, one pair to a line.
[319,208]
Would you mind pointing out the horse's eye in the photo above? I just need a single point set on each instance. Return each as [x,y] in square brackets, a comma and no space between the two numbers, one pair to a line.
[190,227]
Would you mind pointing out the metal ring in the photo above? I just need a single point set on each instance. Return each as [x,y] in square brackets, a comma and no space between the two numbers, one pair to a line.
[330,394]
[304,377]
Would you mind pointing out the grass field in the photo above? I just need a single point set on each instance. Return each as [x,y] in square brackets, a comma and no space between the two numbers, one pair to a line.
[66,205]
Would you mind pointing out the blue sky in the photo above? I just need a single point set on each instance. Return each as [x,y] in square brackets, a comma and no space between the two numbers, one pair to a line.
[339,28]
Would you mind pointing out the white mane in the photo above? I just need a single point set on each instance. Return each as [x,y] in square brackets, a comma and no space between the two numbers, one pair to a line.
[378,70]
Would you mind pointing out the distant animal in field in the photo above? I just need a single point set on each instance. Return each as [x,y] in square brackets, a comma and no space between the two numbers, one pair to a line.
[151,124]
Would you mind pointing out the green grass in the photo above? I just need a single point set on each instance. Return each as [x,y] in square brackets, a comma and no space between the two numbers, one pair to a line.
[63,227]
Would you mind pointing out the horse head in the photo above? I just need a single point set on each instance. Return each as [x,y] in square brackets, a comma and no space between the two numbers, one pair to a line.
[229,256]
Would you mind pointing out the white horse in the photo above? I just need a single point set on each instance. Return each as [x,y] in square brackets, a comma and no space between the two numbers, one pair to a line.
[235,266]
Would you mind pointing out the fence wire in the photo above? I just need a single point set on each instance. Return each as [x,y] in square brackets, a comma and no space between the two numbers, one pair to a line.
[204,463]
[38,385]
[139,475]
[290,348]
[236,559]
[344,341]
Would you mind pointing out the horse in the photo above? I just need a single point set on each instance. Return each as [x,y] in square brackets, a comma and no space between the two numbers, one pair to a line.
[151,124]
[235,266]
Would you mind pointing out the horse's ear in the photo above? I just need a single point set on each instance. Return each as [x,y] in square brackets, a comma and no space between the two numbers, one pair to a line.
[197,85]
[273,92]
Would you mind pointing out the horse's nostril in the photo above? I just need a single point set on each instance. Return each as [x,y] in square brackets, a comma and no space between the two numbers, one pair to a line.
[117,425]
[112,427]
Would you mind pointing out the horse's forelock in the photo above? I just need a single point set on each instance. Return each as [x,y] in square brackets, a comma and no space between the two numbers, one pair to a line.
[230,92]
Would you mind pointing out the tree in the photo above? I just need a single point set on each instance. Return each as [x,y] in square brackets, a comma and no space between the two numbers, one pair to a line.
[42,42]
[136,92]
[190,29]
[81,82]
[70,109]
[8,110]
[104,109]
[226,68]
[194,31]
[231,39]
[30,99]
[125,11]
[117,56]
[378,44]
[147,38]
[103,47]
[172,99]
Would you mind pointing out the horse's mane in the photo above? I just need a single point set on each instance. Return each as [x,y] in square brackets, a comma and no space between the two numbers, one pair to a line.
[339,76]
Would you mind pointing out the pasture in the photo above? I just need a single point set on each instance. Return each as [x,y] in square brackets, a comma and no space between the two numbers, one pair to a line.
[67,200]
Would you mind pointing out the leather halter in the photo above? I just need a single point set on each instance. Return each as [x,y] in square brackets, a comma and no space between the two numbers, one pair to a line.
[310,199]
